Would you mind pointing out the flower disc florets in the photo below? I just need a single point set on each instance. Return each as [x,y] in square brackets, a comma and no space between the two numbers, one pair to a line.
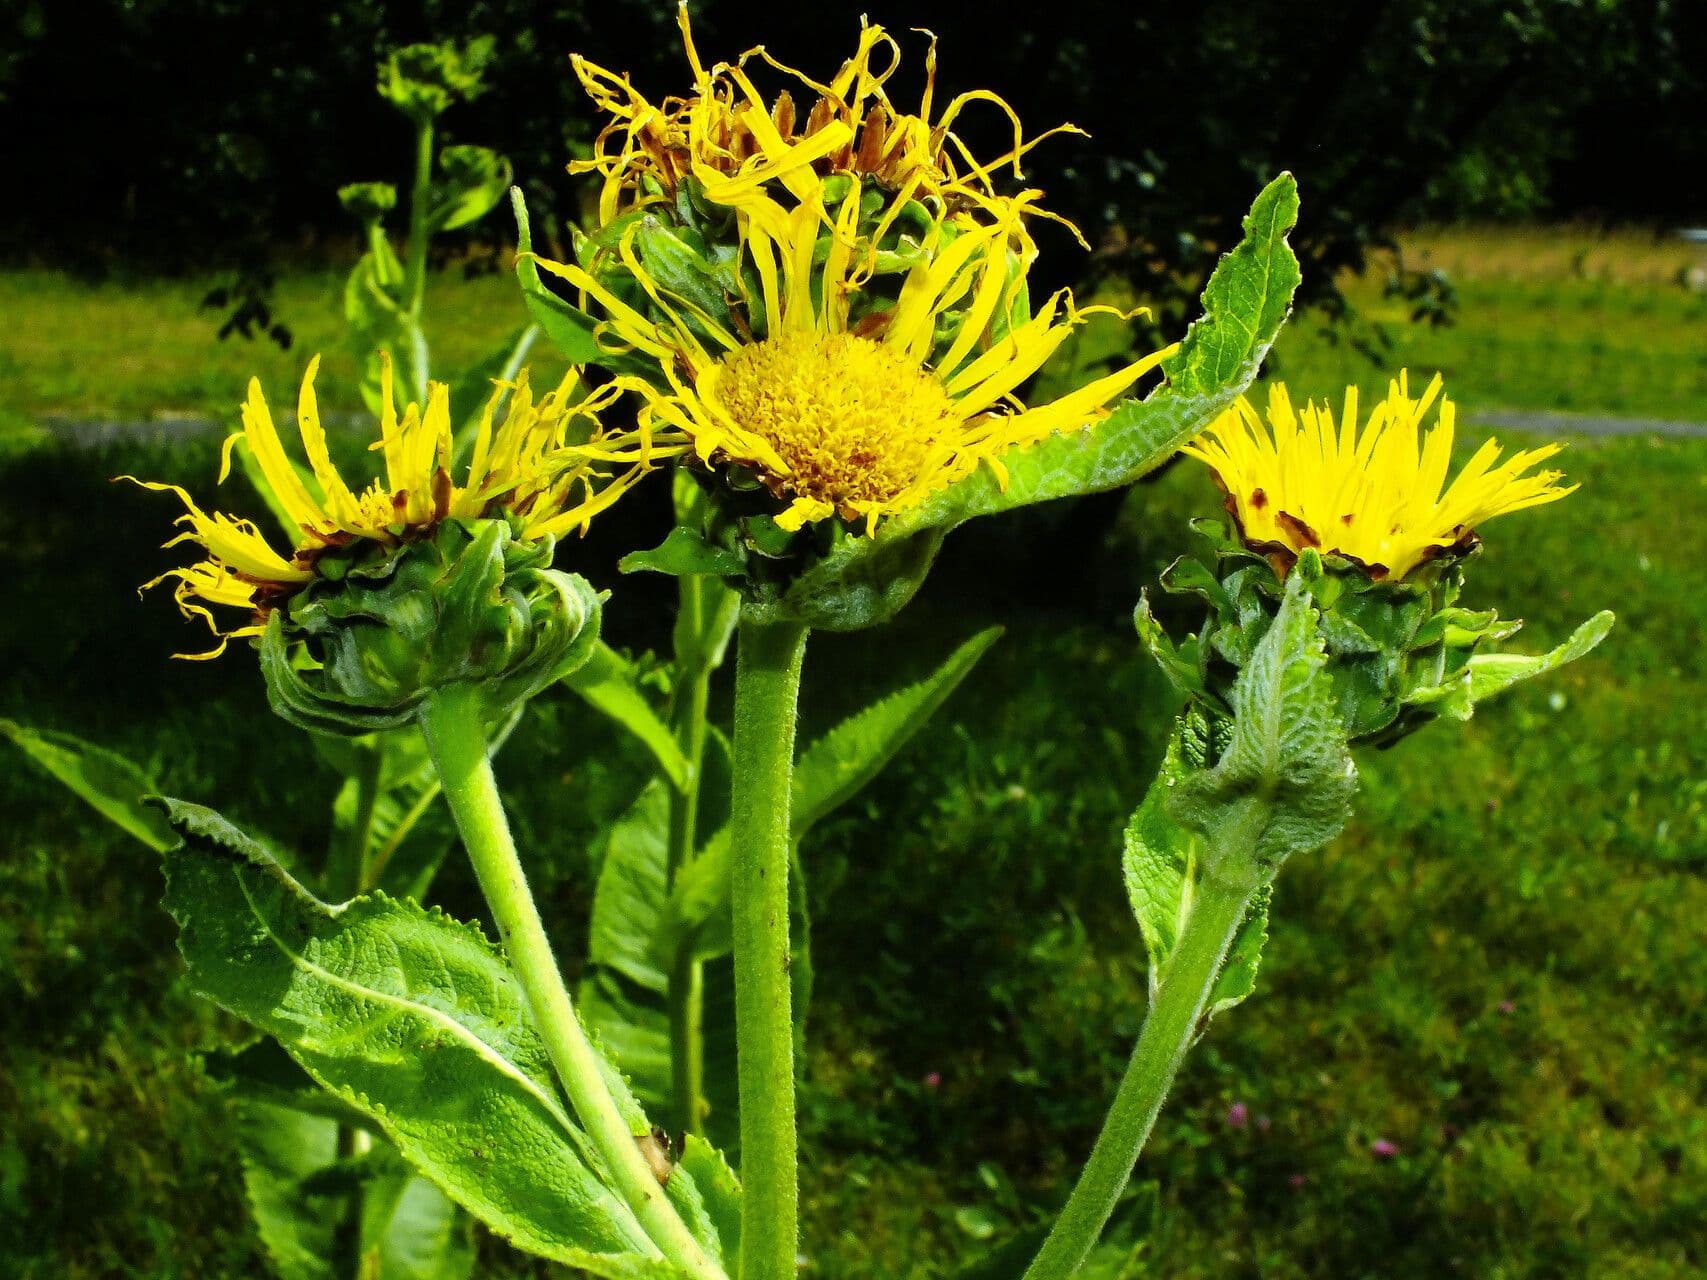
[852,421]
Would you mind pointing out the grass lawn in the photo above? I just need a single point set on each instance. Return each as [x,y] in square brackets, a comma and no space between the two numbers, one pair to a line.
[1547,320]
[1498,968]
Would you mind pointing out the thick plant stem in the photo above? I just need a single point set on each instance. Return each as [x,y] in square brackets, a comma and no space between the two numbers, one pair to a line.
[1216,913]
[767,688]
[687,984]
[451,721]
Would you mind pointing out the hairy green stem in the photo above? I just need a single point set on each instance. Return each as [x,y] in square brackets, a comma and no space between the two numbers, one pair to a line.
[687,979]
[451,721]
[767,689]
[1223,894]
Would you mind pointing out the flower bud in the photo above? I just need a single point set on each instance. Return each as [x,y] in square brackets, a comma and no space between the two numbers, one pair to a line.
[1399,653]
[382,627]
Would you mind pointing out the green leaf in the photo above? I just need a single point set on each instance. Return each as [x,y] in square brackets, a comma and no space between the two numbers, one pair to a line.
[1286,775]
[1160,855]
[568,327]
[684,553]
[474,181]
[416,1021]
[632,1025]
[1487,674]
[1181,664]
[108,782]
[722,1190]
[628,903]
[1238,975]
[412,1231]
[1161,863]
[303,1191]
[285,1153]
[839,765]
[610,684]
[828,774]
[865,580]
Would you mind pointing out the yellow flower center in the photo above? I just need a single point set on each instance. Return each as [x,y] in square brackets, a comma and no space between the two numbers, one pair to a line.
[851,419]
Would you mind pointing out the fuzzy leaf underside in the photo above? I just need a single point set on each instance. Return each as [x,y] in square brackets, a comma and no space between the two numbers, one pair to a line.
[1287,753]
[1245,303]
[415,1020]
[1161,862]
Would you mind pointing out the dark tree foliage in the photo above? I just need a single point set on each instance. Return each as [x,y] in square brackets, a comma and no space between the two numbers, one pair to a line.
[195,133]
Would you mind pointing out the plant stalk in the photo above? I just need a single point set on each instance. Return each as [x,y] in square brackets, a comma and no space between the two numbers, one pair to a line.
[415,266]
[1169,1027]
[347,868]
[687,979]
[767,690]
[451,720]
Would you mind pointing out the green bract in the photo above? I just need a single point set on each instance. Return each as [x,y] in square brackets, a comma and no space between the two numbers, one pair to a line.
[1399,654]
[385,626]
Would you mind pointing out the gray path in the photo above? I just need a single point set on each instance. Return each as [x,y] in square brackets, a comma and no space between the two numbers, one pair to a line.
[94,434]
[1584,424]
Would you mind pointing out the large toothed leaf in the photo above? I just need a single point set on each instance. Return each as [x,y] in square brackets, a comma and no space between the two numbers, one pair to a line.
[414,1020]
[865,580]
[110,784]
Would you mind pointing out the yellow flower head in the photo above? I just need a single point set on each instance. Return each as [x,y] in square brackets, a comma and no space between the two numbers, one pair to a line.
[517,469]
[729,137]
[843,401]
[1374,497]
[855,323]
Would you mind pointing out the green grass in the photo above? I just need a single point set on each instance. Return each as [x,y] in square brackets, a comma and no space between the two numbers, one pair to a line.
[137,350]
[979,977]
[1549,319]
